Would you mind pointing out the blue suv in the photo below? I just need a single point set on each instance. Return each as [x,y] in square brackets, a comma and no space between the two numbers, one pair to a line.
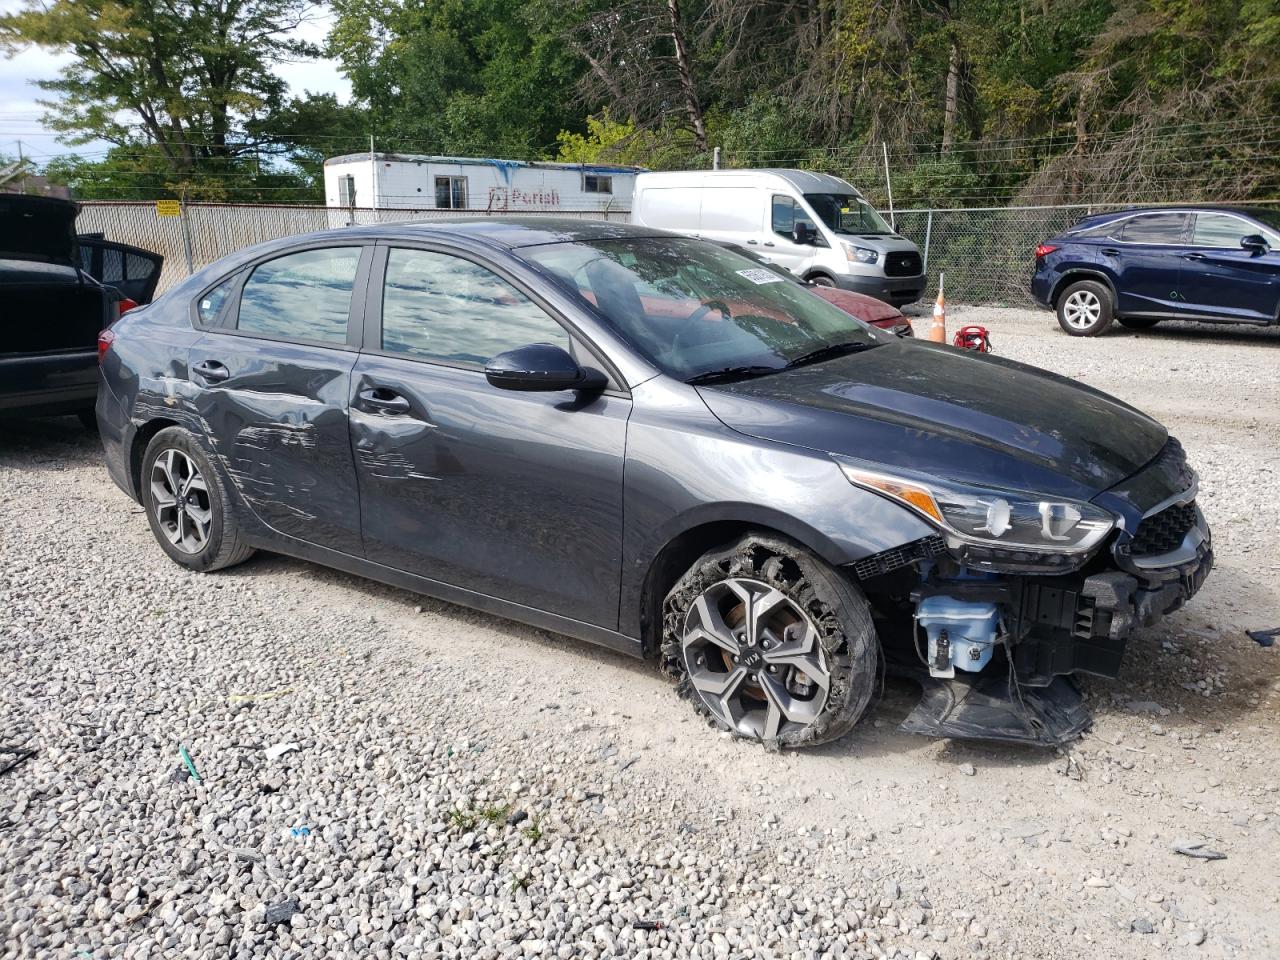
[1220,264]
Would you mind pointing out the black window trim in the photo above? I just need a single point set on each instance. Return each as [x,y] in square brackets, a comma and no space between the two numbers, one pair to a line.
[372,344]
[1186,228]
[229,315]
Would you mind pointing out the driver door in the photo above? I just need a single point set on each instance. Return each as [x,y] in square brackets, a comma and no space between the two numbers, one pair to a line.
[512,495]
[784,213]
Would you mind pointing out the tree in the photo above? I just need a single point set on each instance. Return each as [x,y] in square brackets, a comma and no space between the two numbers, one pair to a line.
[178,74]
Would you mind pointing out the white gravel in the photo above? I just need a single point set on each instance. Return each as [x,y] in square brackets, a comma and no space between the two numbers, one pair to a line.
[383,775]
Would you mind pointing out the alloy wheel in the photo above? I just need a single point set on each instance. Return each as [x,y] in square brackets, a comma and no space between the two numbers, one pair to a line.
[1082,309]
[180,499]
[755,659]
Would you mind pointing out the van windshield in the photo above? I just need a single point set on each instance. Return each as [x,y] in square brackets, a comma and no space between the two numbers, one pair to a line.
[847,213]
[697,310]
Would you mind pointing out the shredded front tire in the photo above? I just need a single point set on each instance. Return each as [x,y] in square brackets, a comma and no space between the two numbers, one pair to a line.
[770,643]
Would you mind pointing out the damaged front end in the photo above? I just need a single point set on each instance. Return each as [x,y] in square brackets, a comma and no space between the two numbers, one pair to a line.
[1014,595]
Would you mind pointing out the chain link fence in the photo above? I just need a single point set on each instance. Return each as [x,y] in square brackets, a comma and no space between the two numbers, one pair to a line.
[987,253]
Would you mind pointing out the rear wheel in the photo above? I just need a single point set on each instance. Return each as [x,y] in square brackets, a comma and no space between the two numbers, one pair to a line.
[771,644]
[187,506]
[821,280]
[1085,309]
[1139,323]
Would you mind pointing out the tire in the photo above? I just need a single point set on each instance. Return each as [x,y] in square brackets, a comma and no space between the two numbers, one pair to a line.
[197,526]
[88,419]
[1138,323]
[821,280]
[814,617]
[1085,308]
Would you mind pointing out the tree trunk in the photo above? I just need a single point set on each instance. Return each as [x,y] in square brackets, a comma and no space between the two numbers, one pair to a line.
[686,77]
[952,98]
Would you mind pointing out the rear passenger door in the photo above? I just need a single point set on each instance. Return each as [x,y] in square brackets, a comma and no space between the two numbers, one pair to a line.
[131,270]
[273,375]
[1144,254]
[1222,279]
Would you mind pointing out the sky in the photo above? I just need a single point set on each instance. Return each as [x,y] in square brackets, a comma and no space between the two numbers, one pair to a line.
[20,114]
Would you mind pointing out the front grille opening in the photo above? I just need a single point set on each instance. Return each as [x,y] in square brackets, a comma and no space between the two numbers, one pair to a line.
[1164,532]
[878,564]
[902,263]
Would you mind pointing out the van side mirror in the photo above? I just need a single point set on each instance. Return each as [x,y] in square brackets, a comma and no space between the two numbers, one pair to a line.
[800,232]
[542,367]
[1255,243]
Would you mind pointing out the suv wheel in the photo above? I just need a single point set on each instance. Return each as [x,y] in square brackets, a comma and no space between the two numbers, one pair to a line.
[771,644]
[1085,309]
[821,280]
[1138,323]
[187,505]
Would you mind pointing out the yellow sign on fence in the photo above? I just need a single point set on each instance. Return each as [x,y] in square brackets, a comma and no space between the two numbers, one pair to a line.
[168,208]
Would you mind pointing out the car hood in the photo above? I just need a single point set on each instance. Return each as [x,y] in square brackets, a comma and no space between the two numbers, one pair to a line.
[37,228]
[951,414]
[883,242]
[861,306]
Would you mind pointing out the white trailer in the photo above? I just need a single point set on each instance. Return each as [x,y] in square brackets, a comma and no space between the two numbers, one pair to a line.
[390,181]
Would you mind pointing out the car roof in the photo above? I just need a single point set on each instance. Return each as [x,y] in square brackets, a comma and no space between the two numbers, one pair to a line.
[1099,218]
[506,232]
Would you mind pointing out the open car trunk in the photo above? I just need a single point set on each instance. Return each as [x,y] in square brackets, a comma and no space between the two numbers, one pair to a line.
[43,317]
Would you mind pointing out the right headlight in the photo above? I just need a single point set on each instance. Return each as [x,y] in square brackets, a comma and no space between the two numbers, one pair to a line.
[991,516]
[860,254]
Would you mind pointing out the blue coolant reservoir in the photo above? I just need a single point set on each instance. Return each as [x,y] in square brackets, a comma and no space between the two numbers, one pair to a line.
[961,634]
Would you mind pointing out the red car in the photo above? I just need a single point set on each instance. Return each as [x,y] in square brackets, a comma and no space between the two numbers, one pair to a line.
[859,305]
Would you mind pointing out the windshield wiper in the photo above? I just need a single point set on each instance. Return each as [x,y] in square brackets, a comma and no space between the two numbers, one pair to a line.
[728,374]
[831,350]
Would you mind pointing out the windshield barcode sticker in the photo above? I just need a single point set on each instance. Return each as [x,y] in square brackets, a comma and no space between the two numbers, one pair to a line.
[757,276]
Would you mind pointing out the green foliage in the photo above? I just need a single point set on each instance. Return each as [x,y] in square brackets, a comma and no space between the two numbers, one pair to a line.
[605,139]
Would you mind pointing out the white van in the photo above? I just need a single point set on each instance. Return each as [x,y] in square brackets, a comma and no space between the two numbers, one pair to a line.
[817,226]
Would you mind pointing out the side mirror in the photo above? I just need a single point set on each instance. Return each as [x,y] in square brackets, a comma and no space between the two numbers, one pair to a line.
[800,232]
[540,366]
[1255,243]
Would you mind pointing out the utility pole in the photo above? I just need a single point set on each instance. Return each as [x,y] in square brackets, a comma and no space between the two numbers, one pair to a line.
[22,169]
[715,159]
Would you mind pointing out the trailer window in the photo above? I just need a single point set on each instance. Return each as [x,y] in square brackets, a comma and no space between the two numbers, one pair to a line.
[594,183]
[451,193]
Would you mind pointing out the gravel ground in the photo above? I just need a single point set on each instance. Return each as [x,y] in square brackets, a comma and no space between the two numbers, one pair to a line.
[383,775]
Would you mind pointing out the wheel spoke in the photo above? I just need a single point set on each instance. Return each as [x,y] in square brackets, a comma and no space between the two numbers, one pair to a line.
[195,483]
[760,608]
[705,623]
[162,498]
[793,708]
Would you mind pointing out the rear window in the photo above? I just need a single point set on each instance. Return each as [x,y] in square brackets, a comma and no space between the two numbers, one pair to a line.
[301,296]
[1156,228]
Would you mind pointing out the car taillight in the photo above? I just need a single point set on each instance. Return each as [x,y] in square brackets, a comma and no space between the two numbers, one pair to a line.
[126,305]
[1044,250]
[105,339]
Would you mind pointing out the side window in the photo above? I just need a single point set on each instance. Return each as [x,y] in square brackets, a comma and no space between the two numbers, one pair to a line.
[1219,230]
[209,307]
[302,296]
[440,307]
[785,214]
[595,183]
[1156,228]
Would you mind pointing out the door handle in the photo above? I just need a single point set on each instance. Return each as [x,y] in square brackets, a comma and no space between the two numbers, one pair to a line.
[384,401]
[211,370]
[768,243]
[752,242]
[1110,252]
[1193,256]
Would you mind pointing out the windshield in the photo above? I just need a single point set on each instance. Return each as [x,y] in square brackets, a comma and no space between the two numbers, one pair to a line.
[1270,217]
[847,213]
[693,308]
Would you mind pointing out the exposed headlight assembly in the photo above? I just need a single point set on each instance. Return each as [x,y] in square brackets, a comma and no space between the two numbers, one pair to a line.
[990,516]
[860,254]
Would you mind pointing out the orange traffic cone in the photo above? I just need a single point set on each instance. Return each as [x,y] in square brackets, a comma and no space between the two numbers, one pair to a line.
[938,331]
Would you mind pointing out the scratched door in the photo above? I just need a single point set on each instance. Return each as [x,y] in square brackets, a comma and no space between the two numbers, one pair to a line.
[273,387]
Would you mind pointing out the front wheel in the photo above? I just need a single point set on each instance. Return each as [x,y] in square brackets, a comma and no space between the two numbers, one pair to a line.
[1138,323]
[187,506]
[771,644]
[1085,309]
[821,280]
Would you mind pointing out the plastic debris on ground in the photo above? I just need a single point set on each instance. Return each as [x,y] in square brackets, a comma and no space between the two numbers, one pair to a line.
[1264,638]
[1195,848]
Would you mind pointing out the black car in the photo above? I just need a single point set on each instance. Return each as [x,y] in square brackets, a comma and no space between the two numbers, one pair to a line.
[59,293]
[650,442]
[1220,264]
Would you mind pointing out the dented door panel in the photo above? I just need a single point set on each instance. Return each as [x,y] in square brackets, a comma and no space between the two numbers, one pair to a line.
[278,422]
[514,495]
